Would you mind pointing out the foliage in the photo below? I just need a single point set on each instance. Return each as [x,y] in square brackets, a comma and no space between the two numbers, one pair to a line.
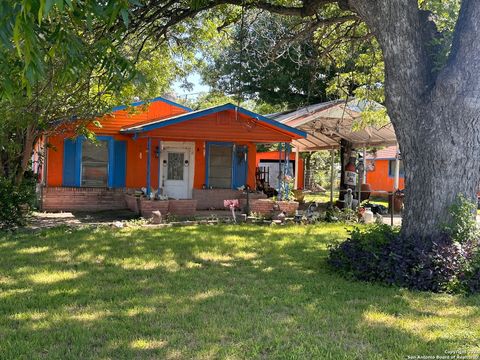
[444,14]
[39,32]
[377,253]
[371,117]
[318,165]
[257,64]
[16,201]
[347,216]
[69,63]
[463,226]
[210,99]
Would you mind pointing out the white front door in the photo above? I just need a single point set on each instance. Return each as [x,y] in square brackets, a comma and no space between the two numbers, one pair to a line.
[175,172]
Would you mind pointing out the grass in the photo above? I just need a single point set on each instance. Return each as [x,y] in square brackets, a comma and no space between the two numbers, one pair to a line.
[203,292]
[325,197]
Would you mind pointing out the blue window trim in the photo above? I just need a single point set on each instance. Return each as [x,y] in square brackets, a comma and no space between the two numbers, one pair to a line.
[391,169]
[234,167]
[207,159]
[110,162]
[74,182]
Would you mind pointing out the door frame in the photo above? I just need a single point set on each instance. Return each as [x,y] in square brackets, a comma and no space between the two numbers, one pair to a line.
[187,146]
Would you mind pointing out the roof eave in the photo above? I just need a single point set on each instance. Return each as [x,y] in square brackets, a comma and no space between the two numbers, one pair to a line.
[188,116]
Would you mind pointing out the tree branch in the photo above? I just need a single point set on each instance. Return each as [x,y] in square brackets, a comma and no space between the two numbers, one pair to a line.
[309,7]
[399,28]
[464,56]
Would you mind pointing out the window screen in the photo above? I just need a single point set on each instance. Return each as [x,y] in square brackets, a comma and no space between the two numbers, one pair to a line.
[175,166]
[220,167]
[391,169]
[94,164]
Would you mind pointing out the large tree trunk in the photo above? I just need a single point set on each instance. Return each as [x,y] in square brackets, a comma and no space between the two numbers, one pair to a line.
[436,115]
[441,162]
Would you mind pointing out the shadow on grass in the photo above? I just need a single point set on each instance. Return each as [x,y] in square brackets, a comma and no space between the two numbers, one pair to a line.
[211,292]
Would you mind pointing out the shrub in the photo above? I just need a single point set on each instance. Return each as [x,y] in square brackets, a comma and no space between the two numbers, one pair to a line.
[377,253]
[360,255]
[16,201]
[463,225]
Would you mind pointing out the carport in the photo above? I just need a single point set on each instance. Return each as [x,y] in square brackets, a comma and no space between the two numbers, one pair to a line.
[334,125]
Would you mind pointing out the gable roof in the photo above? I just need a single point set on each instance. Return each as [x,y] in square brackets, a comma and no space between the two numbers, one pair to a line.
[388,153]
[159,123]
[158,98]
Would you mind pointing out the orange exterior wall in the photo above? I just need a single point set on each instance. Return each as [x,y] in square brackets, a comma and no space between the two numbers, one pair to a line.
[379,179]
[274,155]
[114,122]
[223,126]
[54,161]
[136,168]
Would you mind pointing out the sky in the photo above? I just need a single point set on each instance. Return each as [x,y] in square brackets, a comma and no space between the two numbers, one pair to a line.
[198,87]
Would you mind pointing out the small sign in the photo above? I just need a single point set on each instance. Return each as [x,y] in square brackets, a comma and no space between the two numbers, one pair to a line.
[350,178]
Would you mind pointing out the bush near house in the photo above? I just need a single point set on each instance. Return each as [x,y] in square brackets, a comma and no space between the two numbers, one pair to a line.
[449,262]
[15,201]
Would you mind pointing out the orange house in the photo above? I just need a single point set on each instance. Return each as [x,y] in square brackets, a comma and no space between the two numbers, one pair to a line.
[162,147]
[275,161]
[381,170]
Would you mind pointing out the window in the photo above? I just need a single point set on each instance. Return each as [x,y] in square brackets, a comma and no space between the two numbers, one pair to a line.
[220,166]
[175,166]
[94,164]
[391,168]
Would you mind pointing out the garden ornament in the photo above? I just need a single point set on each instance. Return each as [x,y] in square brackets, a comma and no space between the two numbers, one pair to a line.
[349,199]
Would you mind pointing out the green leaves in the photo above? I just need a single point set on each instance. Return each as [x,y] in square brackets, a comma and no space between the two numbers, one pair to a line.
[41,30]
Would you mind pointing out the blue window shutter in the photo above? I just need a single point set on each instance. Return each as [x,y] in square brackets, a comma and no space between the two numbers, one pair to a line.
[119,163]
[70,160]
[240,166]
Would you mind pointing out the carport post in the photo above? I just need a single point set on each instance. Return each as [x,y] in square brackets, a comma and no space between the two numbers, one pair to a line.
[280,177]
[332,160]
[365,165]
[297,159]
[159,166]
[397,171]
[286,168]
[149,147]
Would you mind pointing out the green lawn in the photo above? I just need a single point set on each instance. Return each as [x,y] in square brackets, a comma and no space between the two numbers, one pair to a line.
[325,197]
[210,292]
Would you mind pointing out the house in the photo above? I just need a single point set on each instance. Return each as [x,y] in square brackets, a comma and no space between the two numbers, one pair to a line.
[199,158]
[269,164]
[381,170]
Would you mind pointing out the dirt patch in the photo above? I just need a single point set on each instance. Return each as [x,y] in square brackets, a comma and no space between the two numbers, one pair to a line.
[42,220]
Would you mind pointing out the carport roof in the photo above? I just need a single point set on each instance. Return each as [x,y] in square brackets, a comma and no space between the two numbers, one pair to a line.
[326,124]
